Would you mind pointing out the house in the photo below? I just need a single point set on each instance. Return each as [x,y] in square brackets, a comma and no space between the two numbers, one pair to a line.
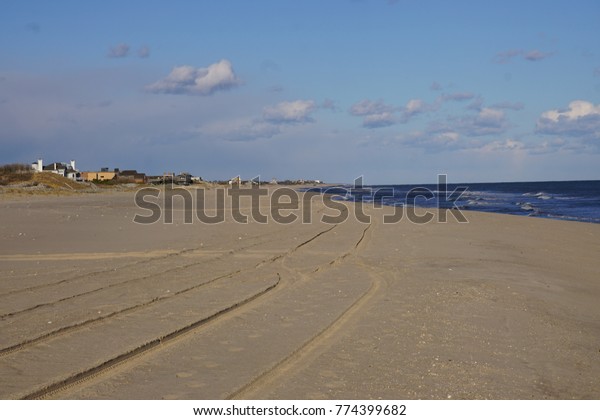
[74,175]
[155,179]
[98,176]
[132,176]
[38,166]
[57,168]
[67,170]
[183,178]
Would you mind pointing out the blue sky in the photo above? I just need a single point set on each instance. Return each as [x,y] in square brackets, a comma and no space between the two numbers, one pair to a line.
[396,91]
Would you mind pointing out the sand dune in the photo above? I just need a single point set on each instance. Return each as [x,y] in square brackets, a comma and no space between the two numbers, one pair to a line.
[93,305]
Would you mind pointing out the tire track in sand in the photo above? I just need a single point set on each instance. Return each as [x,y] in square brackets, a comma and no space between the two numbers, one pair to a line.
[223,255]
[124,358]
[145,261]
[324,338]
[315,345]
[97,374]
[150,345]
[89,322]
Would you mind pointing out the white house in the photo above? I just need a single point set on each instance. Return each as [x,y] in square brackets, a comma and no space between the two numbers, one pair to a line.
[67,170]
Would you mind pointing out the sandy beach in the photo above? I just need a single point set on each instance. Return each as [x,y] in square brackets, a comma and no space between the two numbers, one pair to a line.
[95,306]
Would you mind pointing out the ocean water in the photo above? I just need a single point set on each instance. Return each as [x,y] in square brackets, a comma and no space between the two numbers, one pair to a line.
[566,200]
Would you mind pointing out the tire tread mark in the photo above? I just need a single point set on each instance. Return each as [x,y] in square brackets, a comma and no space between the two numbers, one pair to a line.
[68,328]
[133,264]
[326,333]
[129,281]
[309,345]
[342,257]
[121,359]
[88,322]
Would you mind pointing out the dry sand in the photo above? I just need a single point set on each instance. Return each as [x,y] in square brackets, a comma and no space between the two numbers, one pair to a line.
[93,305]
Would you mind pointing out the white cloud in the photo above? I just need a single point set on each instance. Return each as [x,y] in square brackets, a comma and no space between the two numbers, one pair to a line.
[379,114]
[119,51]
[382,119]
[488,121]
[487,115]
[289,112]
[577,109]
[273,122]
[368,107]
[197,81]
[414,106]
[580,119]
[375,113]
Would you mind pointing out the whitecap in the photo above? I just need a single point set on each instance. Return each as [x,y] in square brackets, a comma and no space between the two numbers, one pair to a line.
[527,207]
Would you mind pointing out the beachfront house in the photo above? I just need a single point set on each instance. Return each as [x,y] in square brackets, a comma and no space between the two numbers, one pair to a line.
[132,176]
[101,175]
[183,178]
[68,170]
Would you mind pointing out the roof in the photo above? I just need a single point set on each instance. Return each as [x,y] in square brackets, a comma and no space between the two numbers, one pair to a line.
[59,165]
[128,172]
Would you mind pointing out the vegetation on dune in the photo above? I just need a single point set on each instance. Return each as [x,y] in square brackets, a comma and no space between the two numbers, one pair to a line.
[56,181]
[15,173]
[20,178]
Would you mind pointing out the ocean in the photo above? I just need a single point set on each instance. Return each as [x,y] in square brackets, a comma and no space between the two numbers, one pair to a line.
[566,200]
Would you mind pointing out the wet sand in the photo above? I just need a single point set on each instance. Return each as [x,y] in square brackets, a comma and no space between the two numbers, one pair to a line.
[94,306]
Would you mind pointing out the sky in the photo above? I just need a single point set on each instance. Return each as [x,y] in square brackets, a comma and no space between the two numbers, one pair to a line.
[394,91]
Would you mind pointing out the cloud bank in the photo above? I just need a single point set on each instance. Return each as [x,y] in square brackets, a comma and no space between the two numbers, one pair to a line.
[188,80]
